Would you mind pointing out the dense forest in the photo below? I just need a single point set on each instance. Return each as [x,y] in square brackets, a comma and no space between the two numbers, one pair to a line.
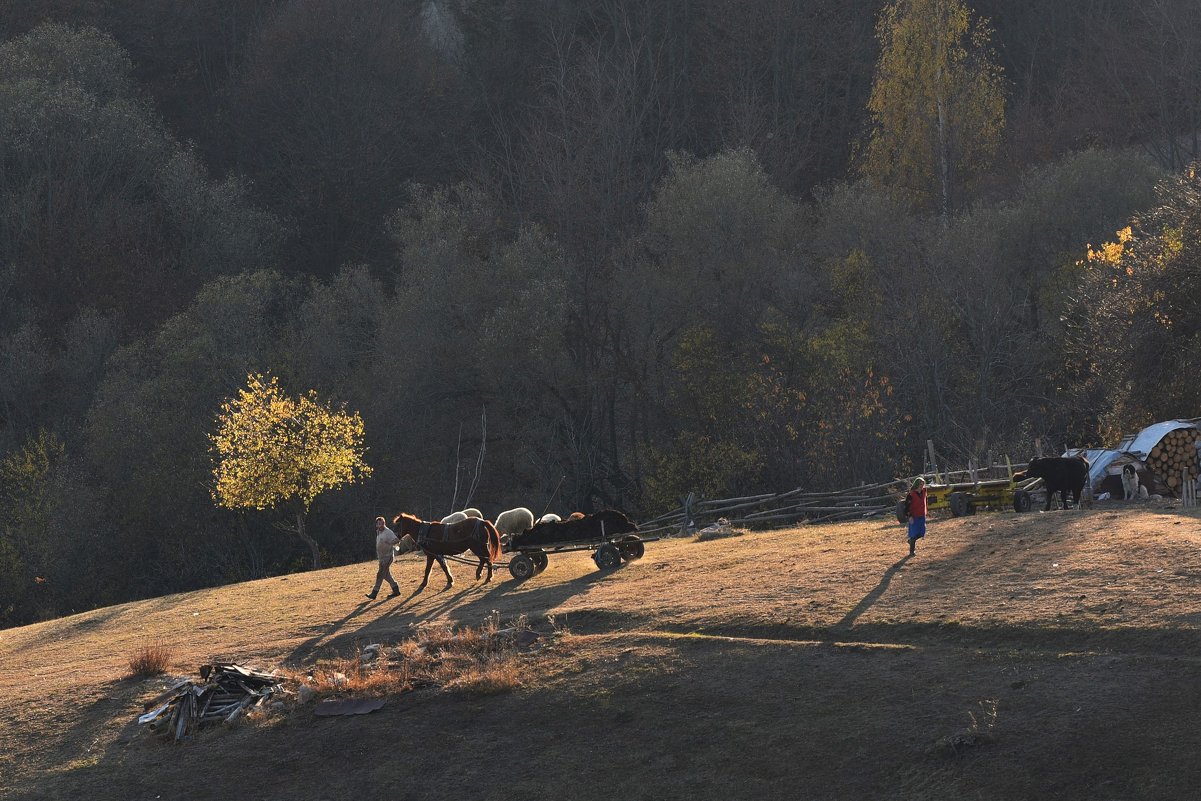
[569,254]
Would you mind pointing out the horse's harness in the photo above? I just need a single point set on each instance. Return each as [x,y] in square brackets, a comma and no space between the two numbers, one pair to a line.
[423,532]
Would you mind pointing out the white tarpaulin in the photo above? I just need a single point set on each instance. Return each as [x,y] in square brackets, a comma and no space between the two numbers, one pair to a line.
[1150,436]
[1134,449]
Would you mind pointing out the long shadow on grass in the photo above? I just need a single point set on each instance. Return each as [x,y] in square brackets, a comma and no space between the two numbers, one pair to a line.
[870,599]
[327,631]
[467,605]
[1143,642]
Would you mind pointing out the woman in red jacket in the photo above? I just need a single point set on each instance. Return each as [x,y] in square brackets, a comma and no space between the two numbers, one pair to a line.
[917,513]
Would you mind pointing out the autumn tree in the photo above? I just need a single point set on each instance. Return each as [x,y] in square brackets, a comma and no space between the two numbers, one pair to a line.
[271,449]
[1133,328]
[937,105]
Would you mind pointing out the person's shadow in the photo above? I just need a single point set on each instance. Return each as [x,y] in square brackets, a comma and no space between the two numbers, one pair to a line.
[329,630]
[873,596]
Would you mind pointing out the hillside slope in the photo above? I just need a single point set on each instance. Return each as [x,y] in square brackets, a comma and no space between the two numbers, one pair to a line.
[1016,656]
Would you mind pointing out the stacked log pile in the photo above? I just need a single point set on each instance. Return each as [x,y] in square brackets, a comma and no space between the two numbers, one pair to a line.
[1174,454]
[228,691]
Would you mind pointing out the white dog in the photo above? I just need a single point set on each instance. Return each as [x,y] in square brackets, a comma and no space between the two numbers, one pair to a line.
[1130,484]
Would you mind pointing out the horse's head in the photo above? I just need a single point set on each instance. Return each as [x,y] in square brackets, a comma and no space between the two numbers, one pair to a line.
[404,522]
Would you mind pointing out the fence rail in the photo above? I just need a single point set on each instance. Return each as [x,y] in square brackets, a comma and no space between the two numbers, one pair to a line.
[860,502]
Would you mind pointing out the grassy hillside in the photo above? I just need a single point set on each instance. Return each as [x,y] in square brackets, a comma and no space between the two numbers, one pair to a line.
[1043,655]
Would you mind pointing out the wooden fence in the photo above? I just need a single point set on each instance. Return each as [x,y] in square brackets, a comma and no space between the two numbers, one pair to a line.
[786,508]
[854,503]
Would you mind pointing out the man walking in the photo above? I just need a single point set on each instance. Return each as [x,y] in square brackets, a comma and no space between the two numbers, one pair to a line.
[385,549]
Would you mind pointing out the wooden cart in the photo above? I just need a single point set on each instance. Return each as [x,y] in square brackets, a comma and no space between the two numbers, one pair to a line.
[609,553]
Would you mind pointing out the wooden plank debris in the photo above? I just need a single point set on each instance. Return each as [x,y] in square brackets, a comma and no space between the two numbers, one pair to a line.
[226,692]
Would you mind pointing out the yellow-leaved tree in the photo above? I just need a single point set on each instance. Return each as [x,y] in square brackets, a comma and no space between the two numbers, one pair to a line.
[271,450]
[937,104]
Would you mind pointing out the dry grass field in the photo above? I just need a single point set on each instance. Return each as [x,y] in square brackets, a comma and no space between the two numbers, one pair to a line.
[1048,656]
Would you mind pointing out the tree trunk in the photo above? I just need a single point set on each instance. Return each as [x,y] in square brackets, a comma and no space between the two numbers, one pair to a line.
[312,543]
[944,165]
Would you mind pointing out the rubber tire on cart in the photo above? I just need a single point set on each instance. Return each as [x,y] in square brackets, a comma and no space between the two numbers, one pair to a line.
[539,559]
[1022,501]
[521,566]
[959,504]
[902,515]
[607,556]
[631,548]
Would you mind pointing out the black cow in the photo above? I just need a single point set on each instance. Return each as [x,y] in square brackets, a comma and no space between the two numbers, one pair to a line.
[603,525]
[1060,474]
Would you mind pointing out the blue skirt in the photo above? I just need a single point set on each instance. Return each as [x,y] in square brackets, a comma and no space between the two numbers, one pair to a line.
[917,528]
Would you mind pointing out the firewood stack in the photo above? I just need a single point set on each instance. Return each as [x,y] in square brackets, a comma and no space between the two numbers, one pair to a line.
[227,693]
[1175,453]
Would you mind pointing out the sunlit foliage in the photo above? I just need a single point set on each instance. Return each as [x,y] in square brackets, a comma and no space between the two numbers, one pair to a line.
[937,105]
[270,449]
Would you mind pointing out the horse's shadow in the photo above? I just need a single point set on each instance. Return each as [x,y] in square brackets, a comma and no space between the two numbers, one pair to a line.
[470,605]
[330,630]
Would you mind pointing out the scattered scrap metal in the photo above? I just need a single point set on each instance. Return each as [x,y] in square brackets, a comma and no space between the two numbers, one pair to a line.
[228,691]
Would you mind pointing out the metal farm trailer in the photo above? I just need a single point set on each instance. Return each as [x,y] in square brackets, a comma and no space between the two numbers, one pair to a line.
[965,498]
[609,553]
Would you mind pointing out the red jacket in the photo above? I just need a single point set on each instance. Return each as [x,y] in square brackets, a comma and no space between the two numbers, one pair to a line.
[917,503]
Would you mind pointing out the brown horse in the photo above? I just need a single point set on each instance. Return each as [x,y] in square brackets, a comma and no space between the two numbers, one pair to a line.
[447,539]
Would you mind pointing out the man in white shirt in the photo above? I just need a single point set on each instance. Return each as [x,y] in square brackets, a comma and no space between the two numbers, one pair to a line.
[385,549]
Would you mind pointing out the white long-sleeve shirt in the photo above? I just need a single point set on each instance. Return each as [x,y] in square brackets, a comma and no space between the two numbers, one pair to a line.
[385,541]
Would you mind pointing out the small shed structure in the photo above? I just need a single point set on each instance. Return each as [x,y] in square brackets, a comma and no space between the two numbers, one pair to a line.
[1105,464]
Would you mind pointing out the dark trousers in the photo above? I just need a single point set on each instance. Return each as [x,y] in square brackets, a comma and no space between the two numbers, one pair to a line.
[384,572]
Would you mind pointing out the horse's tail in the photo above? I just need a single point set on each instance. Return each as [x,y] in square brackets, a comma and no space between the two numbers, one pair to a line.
[493,540]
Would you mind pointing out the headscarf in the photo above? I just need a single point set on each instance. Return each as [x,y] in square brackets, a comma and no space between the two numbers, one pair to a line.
[918,483]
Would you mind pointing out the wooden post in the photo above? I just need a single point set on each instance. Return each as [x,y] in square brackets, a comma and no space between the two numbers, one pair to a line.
[1038,446]
[933,460]
[688,525]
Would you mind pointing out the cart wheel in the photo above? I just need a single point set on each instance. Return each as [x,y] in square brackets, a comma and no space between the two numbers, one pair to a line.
[521,566]
[958,504]
[1021,501]
[631,548]
[902,515]
[607,556]
[540,561]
